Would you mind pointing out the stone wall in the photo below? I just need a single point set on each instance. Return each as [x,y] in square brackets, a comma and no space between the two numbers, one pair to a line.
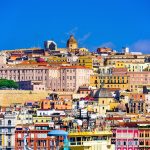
[8,97]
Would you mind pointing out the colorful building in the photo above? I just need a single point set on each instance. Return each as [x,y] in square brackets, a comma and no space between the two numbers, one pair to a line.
[104,98]
[136,67]
[86,61]
[113,59]
[125,138]
[56,59]
[91,140]
[72,77]
[144,136]
[36,137]
[120,81]
[7,131]
[137,79]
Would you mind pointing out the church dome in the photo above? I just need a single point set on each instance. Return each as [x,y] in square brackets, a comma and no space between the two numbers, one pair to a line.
[72,43]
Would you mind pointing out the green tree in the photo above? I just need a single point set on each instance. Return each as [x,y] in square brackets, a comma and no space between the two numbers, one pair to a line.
[4,83]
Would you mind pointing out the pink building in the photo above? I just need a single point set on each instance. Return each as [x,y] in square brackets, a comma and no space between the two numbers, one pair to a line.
[125,138]
[54,79]
[137,79]
[74,76]
[65,78]
[26,74]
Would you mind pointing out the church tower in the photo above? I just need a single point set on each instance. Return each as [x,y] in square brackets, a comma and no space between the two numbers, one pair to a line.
[72,43]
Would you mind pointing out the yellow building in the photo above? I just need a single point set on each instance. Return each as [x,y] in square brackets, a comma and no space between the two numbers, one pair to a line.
[56,59]
[92,62]
[115,81]
[113,105]
[94,80]
[84,50]
[91,140]
[86,61]
[110,81]
[104,98]
[41,119]
[119,64]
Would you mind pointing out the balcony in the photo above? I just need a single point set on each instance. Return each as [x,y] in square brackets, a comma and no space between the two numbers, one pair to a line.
[88,143]
[144,146]
[8,125]
[9,147]
[8,133]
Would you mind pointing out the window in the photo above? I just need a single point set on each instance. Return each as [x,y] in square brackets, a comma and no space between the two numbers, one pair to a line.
[9,122]
[119,143]
[38,143]
[136,142]
[9,137]
[130,142]
[9,144]
[9,130]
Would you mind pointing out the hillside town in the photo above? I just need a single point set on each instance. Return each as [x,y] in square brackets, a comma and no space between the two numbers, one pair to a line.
[74,99]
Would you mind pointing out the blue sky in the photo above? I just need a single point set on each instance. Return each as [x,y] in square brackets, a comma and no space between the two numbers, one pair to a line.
[95,23]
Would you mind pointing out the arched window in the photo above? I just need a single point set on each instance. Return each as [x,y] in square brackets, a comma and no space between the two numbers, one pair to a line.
[9,122]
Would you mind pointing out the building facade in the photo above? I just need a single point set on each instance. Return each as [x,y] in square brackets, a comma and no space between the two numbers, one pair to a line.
[7,131]
[125,138]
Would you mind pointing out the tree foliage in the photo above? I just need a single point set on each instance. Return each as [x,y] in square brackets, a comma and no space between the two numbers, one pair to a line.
[4,83]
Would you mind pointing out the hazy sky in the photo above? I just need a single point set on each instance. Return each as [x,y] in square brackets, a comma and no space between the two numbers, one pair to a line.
[95,23]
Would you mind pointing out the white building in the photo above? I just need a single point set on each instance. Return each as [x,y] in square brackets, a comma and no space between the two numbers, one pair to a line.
[43,112]
[7,131]
[2,58]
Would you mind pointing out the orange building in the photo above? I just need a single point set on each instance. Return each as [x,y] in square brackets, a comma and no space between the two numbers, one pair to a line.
[45,104]
[62,104]
[37,137]
[137,96]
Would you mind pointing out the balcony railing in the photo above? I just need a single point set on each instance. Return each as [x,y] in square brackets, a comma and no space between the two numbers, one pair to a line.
[8,125]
